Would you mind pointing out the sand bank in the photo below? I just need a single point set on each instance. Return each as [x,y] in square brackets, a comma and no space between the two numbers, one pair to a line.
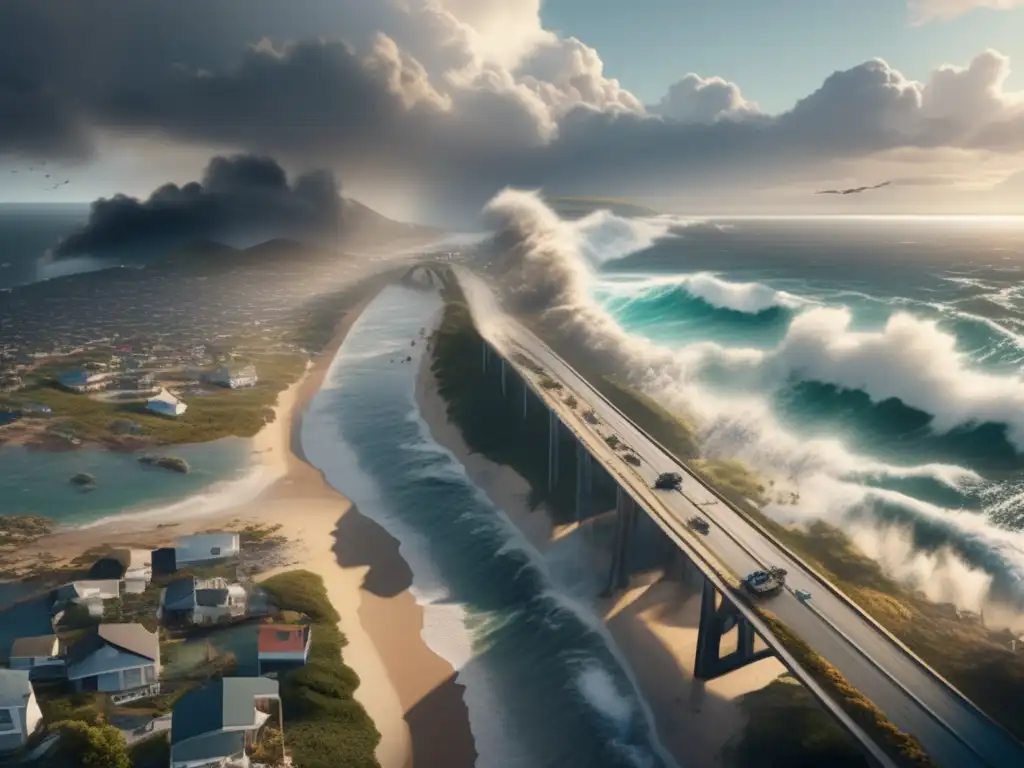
[408,691]
[654,625]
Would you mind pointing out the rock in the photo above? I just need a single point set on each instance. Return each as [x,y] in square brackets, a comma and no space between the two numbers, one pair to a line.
[167,462]
[83,478]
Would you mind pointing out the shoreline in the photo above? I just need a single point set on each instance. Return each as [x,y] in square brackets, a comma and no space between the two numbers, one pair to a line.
[408,691]
[653,625]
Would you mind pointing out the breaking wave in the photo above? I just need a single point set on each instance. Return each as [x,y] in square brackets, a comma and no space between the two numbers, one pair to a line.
[919,390]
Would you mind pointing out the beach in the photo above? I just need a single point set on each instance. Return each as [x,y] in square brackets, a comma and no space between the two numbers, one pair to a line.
[653,625]
[408,690]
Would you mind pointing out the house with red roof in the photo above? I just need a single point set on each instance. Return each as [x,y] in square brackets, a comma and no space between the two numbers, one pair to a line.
[281,647]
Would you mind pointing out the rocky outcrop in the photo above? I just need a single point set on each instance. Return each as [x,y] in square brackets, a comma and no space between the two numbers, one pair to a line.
[167,462]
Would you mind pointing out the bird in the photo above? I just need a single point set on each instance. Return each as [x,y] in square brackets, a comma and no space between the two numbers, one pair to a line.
[852,190]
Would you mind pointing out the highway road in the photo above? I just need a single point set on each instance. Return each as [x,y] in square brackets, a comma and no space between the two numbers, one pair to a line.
[954,732]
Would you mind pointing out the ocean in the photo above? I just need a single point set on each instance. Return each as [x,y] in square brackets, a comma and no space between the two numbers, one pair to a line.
[544,686]
[867,370]
[28,232]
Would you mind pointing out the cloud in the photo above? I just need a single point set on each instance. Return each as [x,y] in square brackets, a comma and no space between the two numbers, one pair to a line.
[695,99]
[923,11]
[240,195]
[456,98]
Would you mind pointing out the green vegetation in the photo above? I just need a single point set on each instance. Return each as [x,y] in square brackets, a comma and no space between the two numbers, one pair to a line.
[787,728]
[900,746]
[91,746]
[219,413]
[154,752]
[325,727]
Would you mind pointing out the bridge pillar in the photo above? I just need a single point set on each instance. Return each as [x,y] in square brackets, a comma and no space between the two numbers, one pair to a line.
[504,374]
[716,621]
[625,517]
[553,426]
[584,480]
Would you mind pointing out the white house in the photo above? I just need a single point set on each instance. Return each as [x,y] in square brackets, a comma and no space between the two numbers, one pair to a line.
[203,547]
[228,376]
[138,569]
[282,646]
[40,656]
[166,404]
[114,657]
[202,601]
[214,726]
[19,711]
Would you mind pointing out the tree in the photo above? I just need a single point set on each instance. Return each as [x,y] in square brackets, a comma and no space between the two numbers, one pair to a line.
[92,746]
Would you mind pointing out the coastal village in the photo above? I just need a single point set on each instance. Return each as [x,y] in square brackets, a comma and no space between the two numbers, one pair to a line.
[180,649]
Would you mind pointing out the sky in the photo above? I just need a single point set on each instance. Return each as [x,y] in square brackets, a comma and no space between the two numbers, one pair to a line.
[425,109]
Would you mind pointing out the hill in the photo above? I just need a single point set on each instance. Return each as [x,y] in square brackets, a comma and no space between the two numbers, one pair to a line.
[577,207]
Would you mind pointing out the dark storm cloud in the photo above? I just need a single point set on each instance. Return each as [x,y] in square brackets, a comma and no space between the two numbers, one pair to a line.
[238,196]
[255,75]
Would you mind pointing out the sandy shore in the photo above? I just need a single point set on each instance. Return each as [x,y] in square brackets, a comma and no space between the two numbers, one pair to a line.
[654,625]
[408,691]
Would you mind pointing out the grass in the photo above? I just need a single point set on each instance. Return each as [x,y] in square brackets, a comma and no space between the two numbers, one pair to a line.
[787,728]
[325,727]
[220,413]
[669,429]
[900,746]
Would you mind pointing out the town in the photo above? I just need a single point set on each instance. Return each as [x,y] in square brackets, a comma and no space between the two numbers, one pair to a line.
[181,649]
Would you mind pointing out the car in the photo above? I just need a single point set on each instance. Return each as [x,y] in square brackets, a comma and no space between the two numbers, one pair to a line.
[631,458]
[764,583]
[699,524]
[669,481]
[802,595]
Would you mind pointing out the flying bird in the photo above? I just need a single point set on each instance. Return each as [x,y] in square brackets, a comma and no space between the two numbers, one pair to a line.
[852,190]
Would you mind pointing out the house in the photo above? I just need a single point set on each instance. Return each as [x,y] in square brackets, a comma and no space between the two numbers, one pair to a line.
[166,404]
[41,656]
[280,647]
[235,377]
[204,601]
[19,711]
[216,725]
[206,547]
[114,657]
[132,566]
[90,594]
[83,381]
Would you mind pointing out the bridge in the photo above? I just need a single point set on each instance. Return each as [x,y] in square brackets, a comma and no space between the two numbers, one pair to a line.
[954,732]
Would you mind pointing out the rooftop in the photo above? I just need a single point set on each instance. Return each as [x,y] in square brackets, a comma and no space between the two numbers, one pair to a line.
[227,703]
[282,638]
[15,687]
[131,638]
[40,646]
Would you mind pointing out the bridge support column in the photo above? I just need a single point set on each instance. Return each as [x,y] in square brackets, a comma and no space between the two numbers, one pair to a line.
[625,517]
[716,621]
[584,480]
[504,375]
[553,426]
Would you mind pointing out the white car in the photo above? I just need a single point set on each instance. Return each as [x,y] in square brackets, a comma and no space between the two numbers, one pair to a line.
[802,595]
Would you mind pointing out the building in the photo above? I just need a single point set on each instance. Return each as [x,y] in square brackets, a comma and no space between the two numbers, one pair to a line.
[235,377]
[10,382]
[90,594]
[41,656]
[280,647]
[19,711]
[134,567]
[207,601]
[206,547]
[114,657]
[83,381]
[166,404]
[218,724]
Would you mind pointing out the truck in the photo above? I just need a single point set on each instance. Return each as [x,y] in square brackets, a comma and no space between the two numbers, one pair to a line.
[765,583]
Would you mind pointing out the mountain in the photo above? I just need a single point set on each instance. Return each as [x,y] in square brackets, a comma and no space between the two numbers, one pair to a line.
[364,226]
[578,207]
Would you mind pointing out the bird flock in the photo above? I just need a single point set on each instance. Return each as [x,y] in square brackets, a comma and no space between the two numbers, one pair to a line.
[43,173]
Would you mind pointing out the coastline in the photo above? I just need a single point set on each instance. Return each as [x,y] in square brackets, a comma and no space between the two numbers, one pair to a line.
[408,691]
[654,626]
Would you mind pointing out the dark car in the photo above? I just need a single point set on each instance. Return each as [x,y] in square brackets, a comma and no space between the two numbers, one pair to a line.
[669,481]
[699,524]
